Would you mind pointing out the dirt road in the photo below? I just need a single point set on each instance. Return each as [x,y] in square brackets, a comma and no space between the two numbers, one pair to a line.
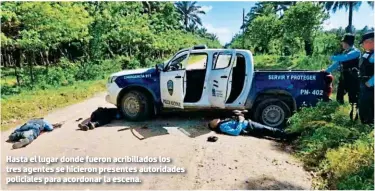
[230,163]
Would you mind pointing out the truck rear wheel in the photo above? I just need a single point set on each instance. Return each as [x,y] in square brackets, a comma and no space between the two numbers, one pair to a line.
[135,106]
[272,112]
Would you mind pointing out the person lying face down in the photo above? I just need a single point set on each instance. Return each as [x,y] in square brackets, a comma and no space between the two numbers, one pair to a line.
[239,125]
[29,131]
[100,117]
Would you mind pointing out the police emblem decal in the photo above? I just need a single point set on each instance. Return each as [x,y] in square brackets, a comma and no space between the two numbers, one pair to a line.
[170,87]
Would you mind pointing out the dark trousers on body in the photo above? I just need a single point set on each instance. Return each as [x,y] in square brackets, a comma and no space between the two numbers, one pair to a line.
[102,116]
[348,83]
[257,129]
[366,104]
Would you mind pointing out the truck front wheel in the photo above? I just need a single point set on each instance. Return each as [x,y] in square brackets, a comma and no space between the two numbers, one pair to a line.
[135,106]
[272,112]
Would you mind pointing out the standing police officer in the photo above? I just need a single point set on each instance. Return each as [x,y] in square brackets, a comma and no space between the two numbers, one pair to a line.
[366,72]
[348,64]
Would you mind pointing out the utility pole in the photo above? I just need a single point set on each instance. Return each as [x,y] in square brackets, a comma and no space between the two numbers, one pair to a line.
[243,28]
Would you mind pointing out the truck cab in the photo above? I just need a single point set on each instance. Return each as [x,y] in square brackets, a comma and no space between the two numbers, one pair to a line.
[207,78]
[200,78]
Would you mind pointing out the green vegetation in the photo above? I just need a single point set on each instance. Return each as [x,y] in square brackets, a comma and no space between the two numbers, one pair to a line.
[38,36]
[298,62]
[339,150]
[281,37]
[50,48]
[282,28]
[37,103]
[59,53]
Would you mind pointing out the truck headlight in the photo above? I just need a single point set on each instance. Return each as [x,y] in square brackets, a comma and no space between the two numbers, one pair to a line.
[112,79]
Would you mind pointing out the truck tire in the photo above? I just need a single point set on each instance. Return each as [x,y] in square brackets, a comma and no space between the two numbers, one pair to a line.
[272,112]
[136,106]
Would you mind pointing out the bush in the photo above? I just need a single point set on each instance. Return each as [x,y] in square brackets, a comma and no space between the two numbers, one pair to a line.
[133,64]
[315,62]
[310,117]
[348,166]
[339,149]
[262,62]
[7,90]
[312,147]
[361,180]
[297,62]
[67,73]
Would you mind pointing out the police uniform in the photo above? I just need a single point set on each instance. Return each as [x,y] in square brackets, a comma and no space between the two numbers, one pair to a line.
[366,73]
[348,63]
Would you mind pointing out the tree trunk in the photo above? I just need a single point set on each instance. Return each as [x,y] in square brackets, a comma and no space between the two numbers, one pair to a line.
[308,47]
[349,28]
[42,58]
[109,50]
[17,63]
[186,22]
[31,67]
[47,55]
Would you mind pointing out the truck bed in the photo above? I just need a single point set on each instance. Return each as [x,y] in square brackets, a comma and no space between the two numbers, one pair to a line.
[306,87]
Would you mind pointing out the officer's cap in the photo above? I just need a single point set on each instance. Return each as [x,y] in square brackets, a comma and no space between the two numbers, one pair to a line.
[348,38]
[366,36]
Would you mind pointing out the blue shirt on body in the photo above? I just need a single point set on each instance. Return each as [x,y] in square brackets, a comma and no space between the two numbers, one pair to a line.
[233,127]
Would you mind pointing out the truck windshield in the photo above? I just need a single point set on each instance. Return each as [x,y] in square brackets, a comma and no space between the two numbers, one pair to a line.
[177,58]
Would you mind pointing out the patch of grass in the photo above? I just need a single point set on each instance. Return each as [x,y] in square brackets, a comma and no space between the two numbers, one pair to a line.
[29,104]
[297,62]
[338,149]
[8,80]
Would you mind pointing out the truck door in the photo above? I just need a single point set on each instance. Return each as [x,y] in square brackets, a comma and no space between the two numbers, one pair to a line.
[172,82]
[220,78]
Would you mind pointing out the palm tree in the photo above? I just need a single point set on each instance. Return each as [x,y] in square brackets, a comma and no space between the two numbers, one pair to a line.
[190,12]
[348,5]
[267,8]
[192,28]
[202,31]
[213,37]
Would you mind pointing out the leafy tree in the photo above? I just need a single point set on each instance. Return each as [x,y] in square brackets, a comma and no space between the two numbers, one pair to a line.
[192,28]
[262,30]
[190,12]
[267,8]
[44,33]
[260,9]
[303,21]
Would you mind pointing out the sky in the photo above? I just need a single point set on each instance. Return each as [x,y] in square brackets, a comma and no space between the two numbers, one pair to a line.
[224,18]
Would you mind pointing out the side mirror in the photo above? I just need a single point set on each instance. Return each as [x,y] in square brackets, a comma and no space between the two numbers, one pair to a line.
[159,67]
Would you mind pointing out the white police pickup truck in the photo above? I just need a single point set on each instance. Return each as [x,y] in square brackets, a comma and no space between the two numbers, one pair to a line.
[207,79]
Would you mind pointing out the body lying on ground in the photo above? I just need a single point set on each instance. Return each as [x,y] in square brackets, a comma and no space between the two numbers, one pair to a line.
[100,117]
[239,125]
[29,131]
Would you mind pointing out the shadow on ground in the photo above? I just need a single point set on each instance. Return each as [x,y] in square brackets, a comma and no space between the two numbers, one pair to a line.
[192,124]
[147,129]
[269,183]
